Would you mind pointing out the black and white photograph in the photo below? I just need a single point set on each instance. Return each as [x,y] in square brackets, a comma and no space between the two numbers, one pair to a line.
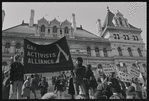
[74,50]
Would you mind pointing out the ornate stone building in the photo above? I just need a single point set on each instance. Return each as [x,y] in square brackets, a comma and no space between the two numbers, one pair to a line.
[117,40]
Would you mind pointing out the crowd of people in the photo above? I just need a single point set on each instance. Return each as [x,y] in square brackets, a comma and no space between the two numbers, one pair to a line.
[82,84]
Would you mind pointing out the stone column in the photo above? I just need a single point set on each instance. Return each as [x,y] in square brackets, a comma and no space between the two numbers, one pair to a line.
[93,53]
[101,53]
[123,21]
[115,52]
[12,47]
[143,52]
[3,48]
[135,52]
[109,53]
[125,51]
[46,31]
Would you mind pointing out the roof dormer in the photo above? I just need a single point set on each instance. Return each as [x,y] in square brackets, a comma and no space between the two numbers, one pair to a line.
[119,20]
[119,14]
[43,21]
[66,23]
[54,21]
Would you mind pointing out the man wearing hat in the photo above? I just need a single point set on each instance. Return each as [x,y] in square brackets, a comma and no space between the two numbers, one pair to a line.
[79,76]
[16,77]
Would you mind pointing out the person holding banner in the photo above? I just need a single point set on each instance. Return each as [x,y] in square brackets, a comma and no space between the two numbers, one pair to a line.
[16,77]
[79,76]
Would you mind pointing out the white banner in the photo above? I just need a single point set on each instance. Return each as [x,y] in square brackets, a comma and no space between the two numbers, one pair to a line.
[133,71]
[108,68]
[125,77]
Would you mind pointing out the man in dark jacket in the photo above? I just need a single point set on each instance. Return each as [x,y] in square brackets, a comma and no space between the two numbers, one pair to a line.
[79,76]
[34,84]
[114,84]
[43,85]
[16,77]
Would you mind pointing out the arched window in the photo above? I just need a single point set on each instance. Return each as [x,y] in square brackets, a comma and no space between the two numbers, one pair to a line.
[115,36]
[134,37]
[120,20]
[119,51]
[126,23]
[129,51]
[66,31]
[7,46]
[118,37]
[105,52]
[18,46]
[60,32]
[42,28]
[124,37]
[97,51]
[89,51]
[116,20]
[54,29]
[139,52]
[137,38]
[49,31]
[127,37]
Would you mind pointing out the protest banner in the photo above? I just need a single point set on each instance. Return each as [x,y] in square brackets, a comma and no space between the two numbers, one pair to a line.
[125,77]
[108,68]
[47,58]
[133,71]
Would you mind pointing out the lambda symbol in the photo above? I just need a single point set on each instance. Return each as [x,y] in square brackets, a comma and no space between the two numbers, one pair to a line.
[60,50]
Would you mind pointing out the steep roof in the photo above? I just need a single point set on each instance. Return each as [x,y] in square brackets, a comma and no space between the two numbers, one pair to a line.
[66,22]
[110,18]
[82,33]
[22,28]
[25,30]
[43,20]
[55,21]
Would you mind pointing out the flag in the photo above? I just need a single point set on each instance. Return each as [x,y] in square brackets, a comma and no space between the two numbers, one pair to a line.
[47,58]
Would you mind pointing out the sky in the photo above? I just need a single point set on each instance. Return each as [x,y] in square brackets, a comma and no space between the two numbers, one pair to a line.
[86,13]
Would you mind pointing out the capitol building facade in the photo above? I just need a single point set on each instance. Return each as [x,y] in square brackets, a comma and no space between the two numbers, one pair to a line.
[117,40]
